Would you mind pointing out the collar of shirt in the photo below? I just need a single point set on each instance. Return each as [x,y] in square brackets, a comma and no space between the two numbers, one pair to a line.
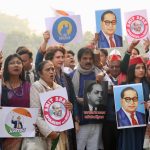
[55,85]
[91,107]
[107,37]
[129,115]
[67,70]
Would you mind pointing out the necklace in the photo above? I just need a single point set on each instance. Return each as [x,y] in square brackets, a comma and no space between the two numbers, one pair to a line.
[18,91]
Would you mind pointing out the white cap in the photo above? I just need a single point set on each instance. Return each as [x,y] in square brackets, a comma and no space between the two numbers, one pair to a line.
[115,52]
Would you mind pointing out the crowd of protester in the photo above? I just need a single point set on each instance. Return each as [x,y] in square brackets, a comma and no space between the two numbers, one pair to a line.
[55,67]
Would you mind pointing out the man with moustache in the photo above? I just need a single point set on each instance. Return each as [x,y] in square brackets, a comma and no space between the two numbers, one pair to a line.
[128,115]
[89,135]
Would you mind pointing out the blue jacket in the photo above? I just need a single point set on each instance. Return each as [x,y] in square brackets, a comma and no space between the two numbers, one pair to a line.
[15,124]
[123,120]
[103,43]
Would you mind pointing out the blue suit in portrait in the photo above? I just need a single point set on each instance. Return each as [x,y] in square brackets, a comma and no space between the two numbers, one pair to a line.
[16,123]
[103,43]
[123,119]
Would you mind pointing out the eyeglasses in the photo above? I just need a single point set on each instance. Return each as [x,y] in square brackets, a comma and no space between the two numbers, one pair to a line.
[129,99]
[107,22]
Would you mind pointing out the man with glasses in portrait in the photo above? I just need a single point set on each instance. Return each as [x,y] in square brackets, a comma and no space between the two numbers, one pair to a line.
[128,114]
[107,36]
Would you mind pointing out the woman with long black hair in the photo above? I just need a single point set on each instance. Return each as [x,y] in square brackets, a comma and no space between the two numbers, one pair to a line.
[133,138]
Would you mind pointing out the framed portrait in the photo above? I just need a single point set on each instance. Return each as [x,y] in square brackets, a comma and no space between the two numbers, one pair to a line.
[129,106]
[109,28]
[95,99]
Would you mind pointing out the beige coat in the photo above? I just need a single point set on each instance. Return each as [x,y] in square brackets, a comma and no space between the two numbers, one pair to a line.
[42,143]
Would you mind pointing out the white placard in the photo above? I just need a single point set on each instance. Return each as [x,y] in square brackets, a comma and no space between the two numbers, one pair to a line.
[136,25]
[64,29]
[54,111]
[18,122]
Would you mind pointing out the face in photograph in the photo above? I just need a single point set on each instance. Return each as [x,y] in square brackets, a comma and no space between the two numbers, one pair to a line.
[108,24]
[94,94]
[129,100]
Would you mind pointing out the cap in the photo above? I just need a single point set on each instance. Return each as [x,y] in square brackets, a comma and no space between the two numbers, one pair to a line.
[114,55]
[114,58]
[115,52]
[136,60]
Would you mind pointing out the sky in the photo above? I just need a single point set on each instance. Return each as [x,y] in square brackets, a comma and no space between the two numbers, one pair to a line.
[35,11]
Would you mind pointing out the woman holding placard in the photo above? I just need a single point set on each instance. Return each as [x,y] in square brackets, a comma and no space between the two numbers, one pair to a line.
[133,138]
[15,92]
[47,139]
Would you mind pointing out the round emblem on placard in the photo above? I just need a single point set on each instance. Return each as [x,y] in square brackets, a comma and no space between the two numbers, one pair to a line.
[15,123]
[64,30]
[55,112]
[137,27]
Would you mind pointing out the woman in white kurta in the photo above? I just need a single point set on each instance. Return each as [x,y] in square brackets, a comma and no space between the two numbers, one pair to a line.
[46,83]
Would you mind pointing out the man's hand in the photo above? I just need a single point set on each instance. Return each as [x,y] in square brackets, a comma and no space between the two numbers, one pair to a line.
[100,77]
[53,135]
[80,100]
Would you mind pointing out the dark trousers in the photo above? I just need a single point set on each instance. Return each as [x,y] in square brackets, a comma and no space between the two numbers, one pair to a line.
[109,134]
[0,144]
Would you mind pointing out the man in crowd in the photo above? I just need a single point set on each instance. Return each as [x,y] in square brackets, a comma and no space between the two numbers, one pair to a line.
[89,135]
[26,56]
[69,62]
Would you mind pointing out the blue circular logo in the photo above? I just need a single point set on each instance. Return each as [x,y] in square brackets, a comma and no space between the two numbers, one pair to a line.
[64,30]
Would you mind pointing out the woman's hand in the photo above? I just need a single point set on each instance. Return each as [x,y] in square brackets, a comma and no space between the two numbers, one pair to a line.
[53,135]
[46,37]
[132,45]
[146,44]
[69,105]
[77,126]
[147,104]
